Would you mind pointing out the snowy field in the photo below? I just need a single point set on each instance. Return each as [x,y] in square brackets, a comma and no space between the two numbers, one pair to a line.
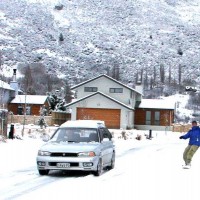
[145,169]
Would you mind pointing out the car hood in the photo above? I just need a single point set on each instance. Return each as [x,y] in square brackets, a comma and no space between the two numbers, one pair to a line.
[69,147]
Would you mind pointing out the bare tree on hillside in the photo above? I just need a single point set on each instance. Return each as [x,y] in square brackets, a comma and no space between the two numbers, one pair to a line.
[67,92]
[141,76]
[49,83]
[146,85]
[0,60]
[154,74]
[170,76]
[28,81]
[152,83]
[115,72]
[162,73]
[179,74]
[136,76]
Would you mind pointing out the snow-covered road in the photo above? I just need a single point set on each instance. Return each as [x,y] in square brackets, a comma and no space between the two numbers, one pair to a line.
[147,169]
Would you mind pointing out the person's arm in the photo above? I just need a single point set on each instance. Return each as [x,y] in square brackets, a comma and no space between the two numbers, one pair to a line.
[186,136]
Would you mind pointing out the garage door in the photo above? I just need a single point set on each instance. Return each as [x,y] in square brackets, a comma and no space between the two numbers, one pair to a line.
[111,117]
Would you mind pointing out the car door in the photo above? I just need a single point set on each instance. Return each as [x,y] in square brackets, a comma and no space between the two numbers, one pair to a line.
[106,145]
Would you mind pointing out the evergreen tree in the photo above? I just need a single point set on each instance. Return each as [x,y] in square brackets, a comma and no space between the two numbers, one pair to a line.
[61,38]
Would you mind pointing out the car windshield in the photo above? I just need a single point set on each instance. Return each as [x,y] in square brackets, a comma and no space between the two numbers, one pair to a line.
[75,135]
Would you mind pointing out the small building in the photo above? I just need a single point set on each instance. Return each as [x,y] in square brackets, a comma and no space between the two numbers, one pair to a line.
[155,114]
[33,104]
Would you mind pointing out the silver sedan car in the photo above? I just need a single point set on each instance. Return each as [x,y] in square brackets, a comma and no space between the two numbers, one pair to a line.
[84,145]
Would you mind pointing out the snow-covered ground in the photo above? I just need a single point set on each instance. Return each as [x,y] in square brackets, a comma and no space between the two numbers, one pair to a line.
[145,169]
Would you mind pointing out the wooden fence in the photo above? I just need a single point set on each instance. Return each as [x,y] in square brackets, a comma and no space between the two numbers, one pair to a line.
[60,117]
[183,128]
[57,118]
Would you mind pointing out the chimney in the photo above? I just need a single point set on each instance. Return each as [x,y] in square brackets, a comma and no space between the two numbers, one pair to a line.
[14,74]
[14,83]
[139,87]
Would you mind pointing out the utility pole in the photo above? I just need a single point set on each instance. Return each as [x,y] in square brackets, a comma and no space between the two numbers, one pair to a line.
[28,82]
[24,119]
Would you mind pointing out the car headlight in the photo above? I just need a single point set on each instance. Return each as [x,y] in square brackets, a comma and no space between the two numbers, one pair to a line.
[86,154]
[43,153]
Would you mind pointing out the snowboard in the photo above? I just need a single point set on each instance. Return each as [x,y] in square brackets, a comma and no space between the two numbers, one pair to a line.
[186,166]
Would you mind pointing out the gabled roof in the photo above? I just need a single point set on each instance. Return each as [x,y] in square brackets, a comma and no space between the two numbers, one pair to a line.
[106,76]
[157,104]
[5,86]
[106,96]
[30,99]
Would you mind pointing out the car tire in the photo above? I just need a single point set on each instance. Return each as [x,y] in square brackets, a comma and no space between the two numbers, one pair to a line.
[99,168]
[112,162]
[43,172]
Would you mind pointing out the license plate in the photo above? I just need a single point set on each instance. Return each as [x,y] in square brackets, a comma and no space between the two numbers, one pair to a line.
[63,165]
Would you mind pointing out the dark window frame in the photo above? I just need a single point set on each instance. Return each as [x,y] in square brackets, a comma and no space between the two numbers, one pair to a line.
[152,117]
[148,118]
[157,120]
[116,90]
[105,133]
[90,89]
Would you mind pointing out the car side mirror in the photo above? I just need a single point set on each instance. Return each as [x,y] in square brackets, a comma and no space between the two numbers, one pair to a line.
[105,139]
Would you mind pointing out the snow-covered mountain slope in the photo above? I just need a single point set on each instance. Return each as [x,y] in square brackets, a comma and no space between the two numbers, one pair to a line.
[83,37]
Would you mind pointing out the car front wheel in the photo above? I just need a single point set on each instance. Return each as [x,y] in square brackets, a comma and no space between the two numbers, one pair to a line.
[43,172]
[99,168]
[112,162]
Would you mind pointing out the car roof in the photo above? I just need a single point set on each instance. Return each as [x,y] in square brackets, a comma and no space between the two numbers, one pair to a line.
[84,124]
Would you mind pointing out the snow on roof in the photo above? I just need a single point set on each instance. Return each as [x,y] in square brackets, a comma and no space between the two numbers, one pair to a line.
[157,104]
[104,75]
[30,99]
[5,85]
[100,93]
[84,123]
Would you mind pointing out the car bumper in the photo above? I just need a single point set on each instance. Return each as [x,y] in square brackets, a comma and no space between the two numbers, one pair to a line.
[82,164]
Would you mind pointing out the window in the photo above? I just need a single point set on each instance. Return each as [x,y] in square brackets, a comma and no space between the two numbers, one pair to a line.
[28,110]
[157,118]
[104,133]
[20,110]
[116,90]
[148,117]
[90,89]
[152,118]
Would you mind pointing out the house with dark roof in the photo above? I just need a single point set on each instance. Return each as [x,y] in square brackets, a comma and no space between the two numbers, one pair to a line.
[120,106]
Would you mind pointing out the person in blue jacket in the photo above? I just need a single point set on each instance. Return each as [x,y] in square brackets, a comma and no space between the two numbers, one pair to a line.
[194,142]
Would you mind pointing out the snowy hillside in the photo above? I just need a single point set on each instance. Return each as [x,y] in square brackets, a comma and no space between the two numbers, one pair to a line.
[80,38]
[183,114]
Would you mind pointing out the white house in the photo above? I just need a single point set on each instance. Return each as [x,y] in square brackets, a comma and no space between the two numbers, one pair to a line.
[6,94]
[8,91]
[104,98]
